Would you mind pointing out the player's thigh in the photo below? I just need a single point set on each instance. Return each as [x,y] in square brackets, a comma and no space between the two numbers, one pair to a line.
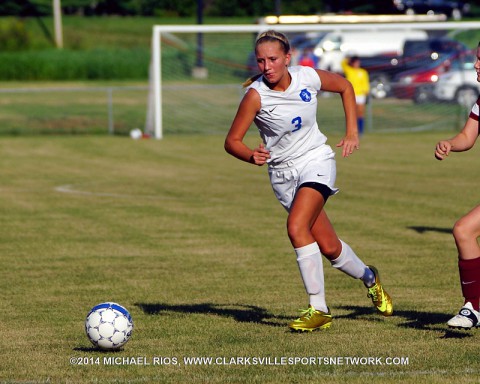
[306,208]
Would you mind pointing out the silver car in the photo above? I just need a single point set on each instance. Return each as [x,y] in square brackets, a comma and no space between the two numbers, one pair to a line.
[459,85]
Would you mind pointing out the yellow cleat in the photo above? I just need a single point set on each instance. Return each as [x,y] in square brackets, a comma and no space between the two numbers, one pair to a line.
[379,296]
[310,320]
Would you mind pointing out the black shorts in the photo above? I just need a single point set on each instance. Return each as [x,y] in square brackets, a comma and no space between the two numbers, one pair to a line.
[322,188]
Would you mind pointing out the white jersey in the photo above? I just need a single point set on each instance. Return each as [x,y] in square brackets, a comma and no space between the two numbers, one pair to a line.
[287,120]
[475,112]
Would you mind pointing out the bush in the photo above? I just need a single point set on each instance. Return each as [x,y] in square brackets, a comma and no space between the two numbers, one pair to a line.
[14,36]
[128,64]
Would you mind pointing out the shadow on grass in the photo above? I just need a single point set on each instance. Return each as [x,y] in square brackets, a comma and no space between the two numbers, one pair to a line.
[424,321]
[238,312]
[423,229]
[96,349]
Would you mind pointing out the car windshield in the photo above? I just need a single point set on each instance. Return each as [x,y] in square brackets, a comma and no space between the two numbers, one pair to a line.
[446,46]
[455,60]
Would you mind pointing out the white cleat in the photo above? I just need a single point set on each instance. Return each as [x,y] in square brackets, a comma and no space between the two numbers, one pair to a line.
[467,318]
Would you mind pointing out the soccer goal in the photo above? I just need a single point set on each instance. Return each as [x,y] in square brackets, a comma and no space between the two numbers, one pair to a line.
[197,71]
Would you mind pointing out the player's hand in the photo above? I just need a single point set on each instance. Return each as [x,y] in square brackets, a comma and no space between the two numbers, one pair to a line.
[349,144]
[442,149]
[260,155]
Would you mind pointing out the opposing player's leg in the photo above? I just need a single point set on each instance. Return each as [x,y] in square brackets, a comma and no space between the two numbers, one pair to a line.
[466,232]
[344,258]
[466,318]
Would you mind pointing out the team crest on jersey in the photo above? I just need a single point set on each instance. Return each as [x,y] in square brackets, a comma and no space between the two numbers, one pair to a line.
[305,95]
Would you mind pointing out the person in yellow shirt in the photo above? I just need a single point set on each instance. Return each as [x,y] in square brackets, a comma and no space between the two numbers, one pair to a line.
[361,85]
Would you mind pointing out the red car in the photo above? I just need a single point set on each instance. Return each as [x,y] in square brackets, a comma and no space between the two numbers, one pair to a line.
[417,84]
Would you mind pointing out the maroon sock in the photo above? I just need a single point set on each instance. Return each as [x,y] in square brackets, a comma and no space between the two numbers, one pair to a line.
[470,280]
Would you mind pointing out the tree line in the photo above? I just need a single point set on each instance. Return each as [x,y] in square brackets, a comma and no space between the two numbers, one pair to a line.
[189,8]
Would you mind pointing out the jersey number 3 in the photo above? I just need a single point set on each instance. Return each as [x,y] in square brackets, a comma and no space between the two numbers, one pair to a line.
[297,123]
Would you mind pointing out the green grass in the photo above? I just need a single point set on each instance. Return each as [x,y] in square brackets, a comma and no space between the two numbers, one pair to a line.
[86,33]
[107,48]
[193,243]
[82,108]
[119,48]
[72,107]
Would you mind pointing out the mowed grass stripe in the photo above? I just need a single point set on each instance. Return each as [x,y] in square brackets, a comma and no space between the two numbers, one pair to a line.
[206,268]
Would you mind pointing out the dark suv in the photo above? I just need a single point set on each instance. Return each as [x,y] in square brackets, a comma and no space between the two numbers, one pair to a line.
[452,8]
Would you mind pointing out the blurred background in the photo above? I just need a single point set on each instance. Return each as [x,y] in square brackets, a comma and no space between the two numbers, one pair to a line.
[83,66]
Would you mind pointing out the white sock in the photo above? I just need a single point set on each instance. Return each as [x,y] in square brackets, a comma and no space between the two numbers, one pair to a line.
[310,264]
[349,263]
[368,278]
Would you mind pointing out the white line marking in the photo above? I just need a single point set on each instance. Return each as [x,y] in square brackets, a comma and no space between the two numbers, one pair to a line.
[68,188]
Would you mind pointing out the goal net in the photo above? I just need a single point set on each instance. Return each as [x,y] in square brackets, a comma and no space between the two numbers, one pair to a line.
[197,71]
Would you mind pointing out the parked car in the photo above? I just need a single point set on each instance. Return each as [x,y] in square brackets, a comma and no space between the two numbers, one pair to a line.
[304,44]
[418,84]
[454,9]
[460,86]
[416,53]
[334,46]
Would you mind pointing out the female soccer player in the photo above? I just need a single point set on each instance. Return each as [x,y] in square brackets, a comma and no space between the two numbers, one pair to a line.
[282,101]
[467,229]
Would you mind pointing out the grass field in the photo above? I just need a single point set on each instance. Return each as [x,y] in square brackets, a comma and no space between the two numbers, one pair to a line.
[193,243]
[35,108]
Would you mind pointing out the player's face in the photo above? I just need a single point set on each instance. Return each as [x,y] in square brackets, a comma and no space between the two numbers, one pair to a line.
[477,64]
[272,61]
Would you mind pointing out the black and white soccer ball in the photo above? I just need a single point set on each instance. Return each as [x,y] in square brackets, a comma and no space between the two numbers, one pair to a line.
[108,325]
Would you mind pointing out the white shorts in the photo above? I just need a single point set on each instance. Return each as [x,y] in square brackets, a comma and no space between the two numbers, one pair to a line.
[316,166]
[361,99]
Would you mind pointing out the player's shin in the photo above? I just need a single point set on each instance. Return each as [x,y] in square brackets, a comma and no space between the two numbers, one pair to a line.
[470,280]
[349,263]
[311,269]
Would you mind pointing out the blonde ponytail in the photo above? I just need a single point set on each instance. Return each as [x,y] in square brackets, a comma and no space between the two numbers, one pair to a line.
[250,80]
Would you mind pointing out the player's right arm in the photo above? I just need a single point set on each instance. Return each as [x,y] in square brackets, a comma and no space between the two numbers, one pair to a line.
[234,145]
[459,143]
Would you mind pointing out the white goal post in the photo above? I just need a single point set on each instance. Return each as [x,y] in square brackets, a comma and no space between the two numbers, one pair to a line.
[155,114]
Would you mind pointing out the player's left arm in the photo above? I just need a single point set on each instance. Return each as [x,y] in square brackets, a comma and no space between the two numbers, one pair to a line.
[332,82]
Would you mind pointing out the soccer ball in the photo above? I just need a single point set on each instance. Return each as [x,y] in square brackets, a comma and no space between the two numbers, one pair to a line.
[108,325]
[136,134]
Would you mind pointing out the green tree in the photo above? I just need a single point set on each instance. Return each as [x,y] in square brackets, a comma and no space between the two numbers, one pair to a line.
[14,36]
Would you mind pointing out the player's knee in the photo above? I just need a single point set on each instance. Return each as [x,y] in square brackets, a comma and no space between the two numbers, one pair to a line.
[463,231]
[296,230]
[330,249]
